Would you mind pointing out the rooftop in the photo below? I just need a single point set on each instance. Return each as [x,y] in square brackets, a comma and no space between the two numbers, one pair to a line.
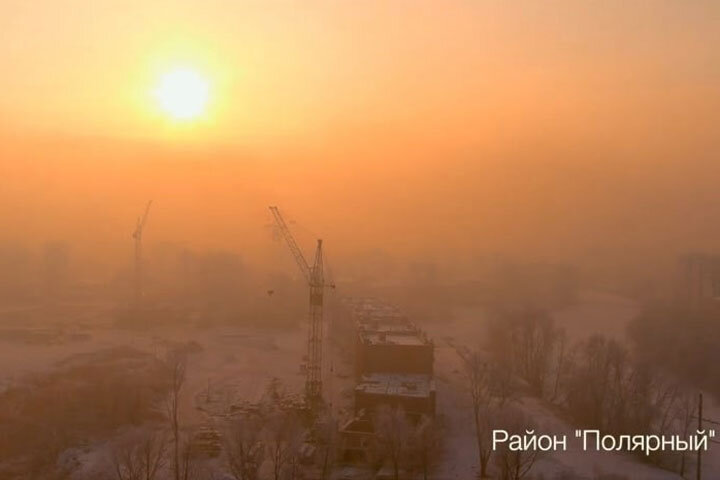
[380,323]
[391,338]
[372,308]
[394,384]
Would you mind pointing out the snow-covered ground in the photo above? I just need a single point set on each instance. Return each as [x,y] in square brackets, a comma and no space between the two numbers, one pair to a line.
[250,355]
[240,361]
[595,313]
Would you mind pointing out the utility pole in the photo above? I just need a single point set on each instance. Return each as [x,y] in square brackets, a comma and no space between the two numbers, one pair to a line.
[709,435]
[700,429]
[137,236]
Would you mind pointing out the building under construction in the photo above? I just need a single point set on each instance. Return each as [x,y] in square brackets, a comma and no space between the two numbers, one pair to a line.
[392,347]
[394,368]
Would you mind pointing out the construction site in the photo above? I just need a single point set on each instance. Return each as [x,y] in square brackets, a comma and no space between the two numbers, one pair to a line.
[393,369]
[302,379]
[315,387]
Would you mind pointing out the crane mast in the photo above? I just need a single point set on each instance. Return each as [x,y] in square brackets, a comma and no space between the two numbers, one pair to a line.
[316,281]
[137,236]
[313,381]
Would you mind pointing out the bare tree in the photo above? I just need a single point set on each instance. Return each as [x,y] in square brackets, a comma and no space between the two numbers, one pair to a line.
[140,457]
[244,449]
[283,436]
[188,468]
[152,454]
[126,465]
[595,386]
[176,365]
[503,384]
[561,363]
[515,464]
[686,412]
[393,433]
[327,432]
[478,376]
[426,444]
[525,340]
[607,389]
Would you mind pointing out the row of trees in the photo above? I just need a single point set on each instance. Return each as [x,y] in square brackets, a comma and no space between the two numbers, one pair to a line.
[264,443]
[406,445]
[267,442]
[492,388]
[681,338]
[163,451]
[45,415]
[274,438]
[596,382]
[271,437]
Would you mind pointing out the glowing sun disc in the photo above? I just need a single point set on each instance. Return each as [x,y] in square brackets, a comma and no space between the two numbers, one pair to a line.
[182,94]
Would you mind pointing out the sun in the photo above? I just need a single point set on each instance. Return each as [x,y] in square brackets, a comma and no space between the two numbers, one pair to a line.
[183,93]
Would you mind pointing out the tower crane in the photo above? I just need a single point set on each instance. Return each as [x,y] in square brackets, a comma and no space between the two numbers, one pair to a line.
[137,236]
[314,275]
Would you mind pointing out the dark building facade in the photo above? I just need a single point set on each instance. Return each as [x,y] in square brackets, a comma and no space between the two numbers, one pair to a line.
[407,352]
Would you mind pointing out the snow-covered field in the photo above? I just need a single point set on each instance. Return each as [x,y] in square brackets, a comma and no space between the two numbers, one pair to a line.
[238,361]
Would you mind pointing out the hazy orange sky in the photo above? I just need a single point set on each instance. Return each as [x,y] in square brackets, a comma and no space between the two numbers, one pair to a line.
[427,127]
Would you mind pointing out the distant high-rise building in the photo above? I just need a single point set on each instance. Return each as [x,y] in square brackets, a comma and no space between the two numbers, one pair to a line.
[700,278]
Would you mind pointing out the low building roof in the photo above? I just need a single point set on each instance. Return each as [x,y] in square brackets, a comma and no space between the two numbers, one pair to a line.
[395,384]
[382,338]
